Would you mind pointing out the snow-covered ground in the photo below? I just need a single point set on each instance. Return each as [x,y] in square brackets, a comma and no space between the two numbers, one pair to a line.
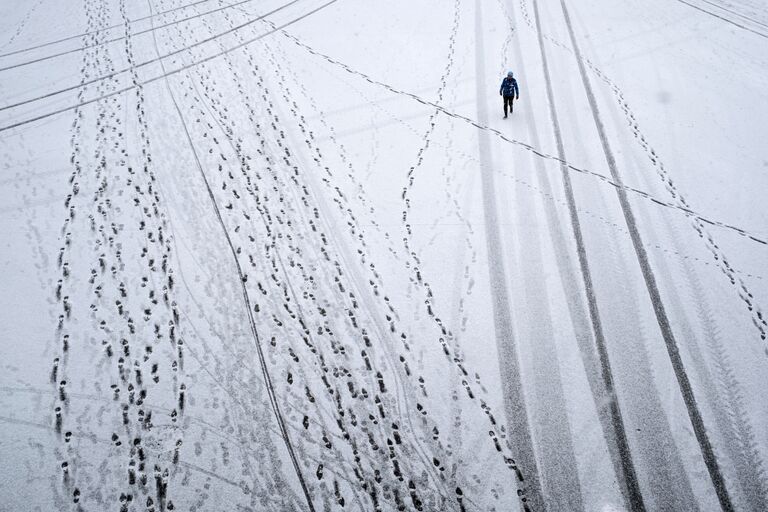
[288,255]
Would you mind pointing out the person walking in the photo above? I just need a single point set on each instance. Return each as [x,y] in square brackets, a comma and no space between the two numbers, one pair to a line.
[509,91]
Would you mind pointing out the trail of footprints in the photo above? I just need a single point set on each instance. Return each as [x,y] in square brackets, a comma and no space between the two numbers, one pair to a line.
[308,300]
[260,482]
[357,404]
[486,410]
[305,277]
[115,240]
[483,406]
[279,220]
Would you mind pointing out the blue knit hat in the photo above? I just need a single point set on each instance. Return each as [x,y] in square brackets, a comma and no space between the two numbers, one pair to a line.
[509,74]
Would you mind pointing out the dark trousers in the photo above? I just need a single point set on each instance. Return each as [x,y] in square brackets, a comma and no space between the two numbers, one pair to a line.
[508,101]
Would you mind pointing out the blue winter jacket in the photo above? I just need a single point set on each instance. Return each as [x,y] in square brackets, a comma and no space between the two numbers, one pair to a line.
[509,87]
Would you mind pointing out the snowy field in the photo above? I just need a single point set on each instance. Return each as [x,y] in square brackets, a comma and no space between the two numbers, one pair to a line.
[275,255]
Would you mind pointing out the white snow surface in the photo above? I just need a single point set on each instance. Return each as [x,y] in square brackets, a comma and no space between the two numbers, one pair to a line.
[288,255]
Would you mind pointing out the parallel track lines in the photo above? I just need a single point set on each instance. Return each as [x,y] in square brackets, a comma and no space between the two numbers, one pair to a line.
[723,18]
[157,59]
[162,76]
[613,428]
[98,31]
[665,327]
[720,259]
[515,407]
[116,39]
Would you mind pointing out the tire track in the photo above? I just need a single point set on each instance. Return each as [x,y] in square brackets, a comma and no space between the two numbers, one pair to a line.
[723,391]
[678,366]
[725,19]
[552,428]
[597,362]
[698,224]
[667,485]
[749,465]
[515,406]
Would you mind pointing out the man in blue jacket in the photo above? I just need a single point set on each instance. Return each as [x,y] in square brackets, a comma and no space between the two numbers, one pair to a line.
[509,91]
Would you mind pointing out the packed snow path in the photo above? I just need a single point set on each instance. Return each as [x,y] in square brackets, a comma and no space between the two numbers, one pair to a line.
[288,255]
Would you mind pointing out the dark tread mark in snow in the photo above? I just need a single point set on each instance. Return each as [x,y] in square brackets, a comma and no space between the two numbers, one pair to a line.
[697,222]
[710,458]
